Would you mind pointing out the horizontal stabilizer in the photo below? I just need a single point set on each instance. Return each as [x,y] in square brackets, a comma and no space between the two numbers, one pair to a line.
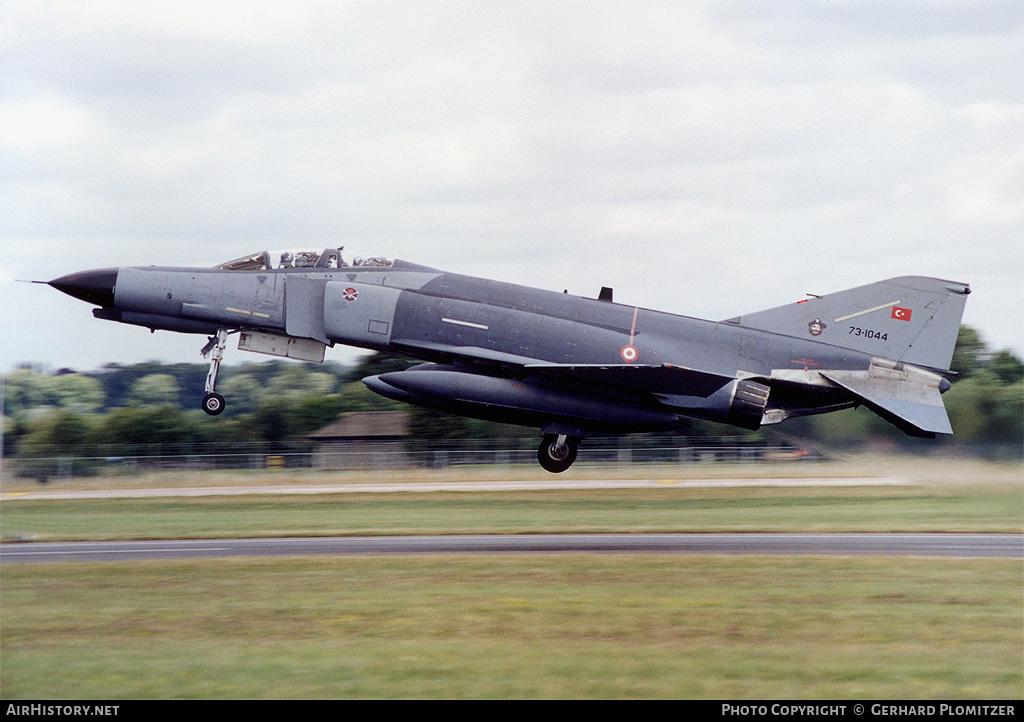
[907,397]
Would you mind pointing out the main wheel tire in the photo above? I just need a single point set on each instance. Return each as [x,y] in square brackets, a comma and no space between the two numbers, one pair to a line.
[213,404]
[554,457]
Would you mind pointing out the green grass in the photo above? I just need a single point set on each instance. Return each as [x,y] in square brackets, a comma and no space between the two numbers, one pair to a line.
[945,494]
[565,626]
[958,509]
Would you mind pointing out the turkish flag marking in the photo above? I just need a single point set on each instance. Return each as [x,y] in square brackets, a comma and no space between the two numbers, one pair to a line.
[901,314]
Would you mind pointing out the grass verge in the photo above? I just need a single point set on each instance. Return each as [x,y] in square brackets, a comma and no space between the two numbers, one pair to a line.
[864,509]
[535,626]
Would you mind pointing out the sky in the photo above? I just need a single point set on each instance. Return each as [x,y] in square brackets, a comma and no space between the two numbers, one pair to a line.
[702,158]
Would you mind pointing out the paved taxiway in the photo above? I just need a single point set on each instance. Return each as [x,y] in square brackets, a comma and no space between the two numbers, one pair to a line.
[944,545]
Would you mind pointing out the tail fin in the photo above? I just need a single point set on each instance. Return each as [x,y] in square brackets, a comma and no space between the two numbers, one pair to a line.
[912,319]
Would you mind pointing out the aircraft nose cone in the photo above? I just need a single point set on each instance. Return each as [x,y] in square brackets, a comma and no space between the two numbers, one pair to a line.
[90,286]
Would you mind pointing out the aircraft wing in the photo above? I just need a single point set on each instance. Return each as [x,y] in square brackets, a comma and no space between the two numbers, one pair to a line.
[661,378]
[468,353]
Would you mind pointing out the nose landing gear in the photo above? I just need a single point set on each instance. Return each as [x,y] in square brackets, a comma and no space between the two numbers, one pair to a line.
[213,403]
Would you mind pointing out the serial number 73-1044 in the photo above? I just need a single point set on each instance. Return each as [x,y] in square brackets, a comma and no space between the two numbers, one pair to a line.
[868,333]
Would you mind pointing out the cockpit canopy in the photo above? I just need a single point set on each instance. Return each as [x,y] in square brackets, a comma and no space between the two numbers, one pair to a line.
[328,258]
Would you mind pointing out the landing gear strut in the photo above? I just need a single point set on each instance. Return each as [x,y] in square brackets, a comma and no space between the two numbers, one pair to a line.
[557,452]
[213,403]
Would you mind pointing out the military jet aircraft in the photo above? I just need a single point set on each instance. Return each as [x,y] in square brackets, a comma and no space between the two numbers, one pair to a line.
[564,364]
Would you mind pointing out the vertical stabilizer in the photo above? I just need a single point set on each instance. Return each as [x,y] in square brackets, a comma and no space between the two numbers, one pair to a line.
[913,319]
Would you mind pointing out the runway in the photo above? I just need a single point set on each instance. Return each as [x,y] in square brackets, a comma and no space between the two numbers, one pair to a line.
[930,545]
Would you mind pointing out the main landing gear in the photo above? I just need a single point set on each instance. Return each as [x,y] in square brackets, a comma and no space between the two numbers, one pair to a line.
[557,452]
[213,403]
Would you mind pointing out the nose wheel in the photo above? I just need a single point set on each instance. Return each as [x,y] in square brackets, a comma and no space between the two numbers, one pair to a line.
[213,403]
[557,452]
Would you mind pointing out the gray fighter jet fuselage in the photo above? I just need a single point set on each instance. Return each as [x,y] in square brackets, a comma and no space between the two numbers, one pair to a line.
[565,364]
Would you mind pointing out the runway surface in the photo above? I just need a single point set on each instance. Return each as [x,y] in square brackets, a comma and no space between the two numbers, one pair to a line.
[933,545]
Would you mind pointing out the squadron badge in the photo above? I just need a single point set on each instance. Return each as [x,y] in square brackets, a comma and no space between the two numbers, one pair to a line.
[816,327]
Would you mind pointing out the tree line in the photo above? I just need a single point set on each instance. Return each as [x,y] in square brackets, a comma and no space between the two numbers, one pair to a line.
[150,407]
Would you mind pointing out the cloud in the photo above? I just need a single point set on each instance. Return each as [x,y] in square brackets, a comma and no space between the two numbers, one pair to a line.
[36,124]
[705,158]
[985,190]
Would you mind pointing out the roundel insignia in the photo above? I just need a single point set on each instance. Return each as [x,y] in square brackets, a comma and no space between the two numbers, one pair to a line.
[350,294]
[816,327]
[629,353]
